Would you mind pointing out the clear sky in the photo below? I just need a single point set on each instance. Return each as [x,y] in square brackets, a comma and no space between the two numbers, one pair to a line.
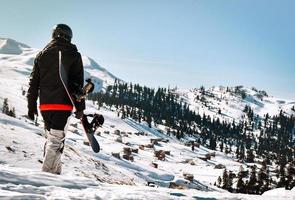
[184,43]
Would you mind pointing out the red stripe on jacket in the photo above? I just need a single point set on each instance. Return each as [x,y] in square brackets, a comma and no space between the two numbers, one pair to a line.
[44,107]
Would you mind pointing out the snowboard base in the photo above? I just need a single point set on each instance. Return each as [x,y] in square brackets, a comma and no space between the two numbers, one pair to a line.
[90,135]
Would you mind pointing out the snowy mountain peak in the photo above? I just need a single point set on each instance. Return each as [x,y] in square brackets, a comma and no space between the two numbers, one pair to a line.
[18,58]
[94,70]
[10,46]
[91,64]
[228,103]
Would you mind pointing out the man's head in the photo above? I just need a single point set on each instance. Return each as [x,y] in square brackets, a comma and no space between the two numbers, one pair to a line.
[62,31]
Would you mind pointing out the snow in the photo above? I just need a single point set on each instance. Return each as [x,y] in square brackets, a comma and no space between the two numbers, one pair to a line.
[9,46]
[232,105]
[87,175]
[280,193]
[19,183]
[101,76]
[16,60]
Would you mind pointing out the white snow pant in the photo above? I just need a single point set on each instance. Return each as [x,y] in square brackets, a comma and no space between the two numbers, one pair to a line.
[53,151]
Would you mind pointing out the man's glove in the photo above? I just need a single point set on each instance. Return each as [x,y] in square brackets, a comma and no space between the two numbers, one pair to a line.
[31,114]
[79,114]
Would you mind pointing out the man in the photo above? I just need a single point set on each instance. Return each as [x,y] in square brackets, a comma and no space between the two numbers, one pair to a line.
[47,82]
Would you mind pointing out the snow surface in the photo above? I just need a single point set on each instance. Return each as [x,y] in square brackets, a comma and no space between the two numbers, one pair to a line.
[16,59]
[232,105]
[101,76]
[87,175]
[9,46]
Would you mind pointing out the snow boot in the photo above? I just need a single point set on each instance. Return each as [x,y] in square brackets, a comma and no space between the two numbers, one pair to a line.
[53,150]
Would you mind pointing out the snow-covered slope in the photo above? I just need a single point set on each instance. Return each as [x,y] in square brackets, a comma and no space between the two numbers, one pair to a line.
[100,75]
[87,175]
[17,58]
[29,184]
[9,46]
[231,103]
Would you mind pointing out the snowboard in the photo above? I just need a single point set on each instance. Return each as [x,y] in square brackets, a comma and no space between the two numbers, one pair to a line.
[89,131]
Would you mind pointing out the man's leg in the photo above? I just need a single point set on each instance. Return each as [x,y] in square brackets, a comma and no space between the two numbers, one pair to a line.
[54,146]
[55,122]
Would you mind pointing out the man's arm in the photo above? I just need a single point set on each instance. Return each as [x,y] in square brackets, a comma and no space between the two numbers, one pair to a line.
[33,90]
[77,81]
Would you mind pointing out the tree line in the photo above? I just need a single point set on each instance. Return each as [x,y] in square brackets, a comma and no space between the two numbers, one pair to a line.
[256,138]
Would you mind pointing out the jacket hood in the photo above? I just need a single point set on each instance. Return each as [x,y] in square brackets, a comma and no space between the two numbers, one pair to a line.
[60,43]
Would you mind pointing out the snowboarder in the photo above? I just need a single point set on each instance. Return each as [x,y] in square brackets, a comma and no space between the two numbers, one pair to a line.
[55,104]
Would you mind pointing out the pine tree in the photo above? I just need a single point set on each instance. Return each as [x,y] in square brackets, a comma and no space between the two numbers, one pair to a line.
[6,110]
[259,125]
[178,134]
[227,150]
[23,91]
[202,89]
[246,108]
[261,179]
[225,179]
[219,181]
[243,94]
[252,184]
[221,146]
[212,144]
[238,152]
[290,175]
[5,107]
[11,112]
[250,156]
[267,184]
[266,119]
[219,111]
[242,152]
[282,176]
[241,185]
[123,113]
[240,182]
[230,181]
[149,119]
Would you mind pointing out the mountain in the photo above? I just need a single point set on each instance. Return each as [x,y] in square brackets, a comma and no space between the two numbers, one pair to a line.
[231,101]
[10,46]
[181,174]
[17,58]
[101,77]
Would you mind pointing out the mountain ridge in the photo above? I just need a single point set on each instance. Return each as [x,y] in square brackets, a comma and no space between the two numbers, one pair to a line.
[21,54]
[103,175]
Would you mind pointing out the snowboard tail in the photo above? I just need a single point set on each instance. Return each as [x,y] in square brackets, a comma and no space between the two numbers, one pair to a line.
[90,134]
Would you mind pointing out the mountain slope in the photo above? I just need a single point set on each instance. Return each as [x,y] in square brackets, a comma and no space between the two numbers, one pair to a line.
[100,176]
[17,59]
[9,46]
[231,102]
[100,75]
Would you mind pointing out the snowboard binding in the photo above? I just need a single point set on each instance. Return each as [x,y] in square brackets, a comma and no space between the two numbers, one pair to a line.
[96,122]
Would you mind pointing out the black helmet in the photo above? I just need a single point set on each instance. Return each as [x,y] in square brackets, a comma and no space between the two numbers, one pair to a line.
[62,31]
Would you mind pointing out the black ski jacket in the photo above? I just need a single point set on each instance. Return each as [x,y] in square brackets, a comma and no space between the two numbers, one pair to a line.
[45,80]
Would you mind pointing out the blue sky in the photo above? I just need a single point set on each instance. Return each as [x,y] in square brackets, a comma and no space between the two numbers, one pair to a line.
[184,43]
